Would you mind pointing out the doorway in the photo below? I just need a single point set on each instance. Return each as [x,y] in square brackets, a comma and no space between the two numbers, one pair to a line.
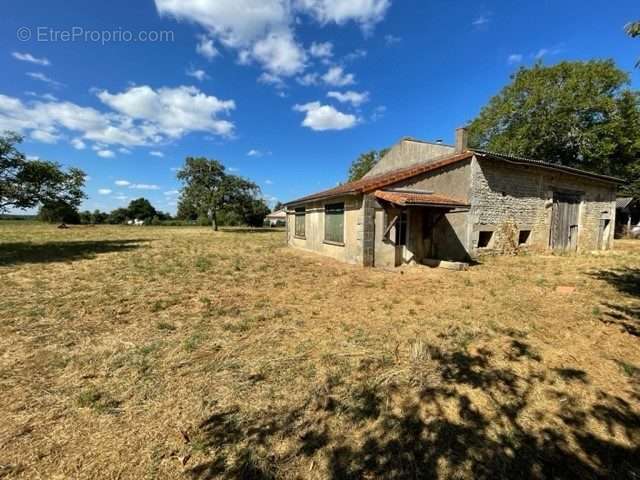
[564,221]
[604,233]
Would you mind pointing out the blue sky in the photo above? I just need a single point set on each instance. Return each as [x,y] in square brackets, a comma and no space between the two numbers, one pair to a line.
[284,92]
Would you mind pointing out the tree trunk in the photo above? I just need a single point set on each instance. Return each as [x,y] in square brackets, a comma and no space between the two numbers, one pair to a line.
[214,220]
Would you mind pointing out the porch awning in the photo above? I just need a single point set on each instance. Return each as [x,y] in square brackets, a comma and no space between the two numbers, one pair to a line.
[416,199]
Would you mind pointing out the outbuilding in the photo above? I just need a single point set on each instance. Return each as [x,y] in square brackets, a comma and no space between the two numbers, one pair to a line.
[277,218]
[426,201]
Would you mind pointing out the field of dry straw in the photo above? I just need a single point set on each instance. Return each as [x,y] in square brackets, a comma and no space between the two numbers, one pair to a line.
[183,353]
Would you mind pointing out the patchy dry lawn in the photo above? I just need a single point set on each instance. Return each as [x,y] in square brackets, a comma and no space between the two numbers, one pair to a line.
[182,353]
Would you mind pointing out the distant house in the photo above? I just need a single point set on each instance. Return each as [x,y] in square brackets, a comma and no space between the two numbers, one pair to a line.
[427,201]
[277,218]
[627,214]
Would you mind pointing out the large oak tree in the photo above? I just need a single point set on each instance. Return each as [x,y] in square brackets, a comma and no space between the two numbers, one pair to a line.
[209,189]
[26,183]
[580,114]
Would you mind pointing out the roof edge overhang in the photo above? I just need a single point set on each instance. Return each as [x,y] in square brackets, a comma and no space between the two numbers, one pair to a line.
[368,185]
[548,166]
[304,201]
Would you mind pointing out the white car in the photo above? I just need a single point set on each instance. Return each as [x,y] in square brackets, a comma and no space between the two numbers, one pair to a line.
[635,232]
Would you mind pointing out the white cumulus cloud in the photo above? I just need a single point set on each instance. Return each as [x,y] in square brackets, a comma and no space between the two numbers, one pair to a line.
[321,50]
[364,12]
[156,153]
[78,144]
[104,191]
[355,98]
[27,57]
[308,79]
[325,117]
[106,153]
[144,186]
[198,74]
[172,111]
[337,77]
[206,48]
[122,183]
[44,136]
[138,116]
[264,30]
[279,54]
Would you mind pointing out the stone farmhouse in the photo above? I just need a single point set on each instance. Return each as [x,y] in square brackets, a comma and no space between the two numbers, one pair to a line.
[425,202]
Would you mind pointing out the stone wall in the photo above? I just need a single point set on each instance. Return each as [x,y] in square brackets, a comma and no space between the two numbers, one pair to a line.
[367,230]
[523,195]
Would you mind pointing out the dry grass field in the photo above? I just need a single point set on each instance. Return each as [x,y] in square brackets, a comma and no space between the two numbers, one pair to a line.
[182,353]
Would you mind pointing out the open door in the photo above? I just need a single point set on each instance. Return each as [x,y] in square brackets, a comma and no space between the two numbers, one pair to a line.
[564,221]
[604,233]
[396,234]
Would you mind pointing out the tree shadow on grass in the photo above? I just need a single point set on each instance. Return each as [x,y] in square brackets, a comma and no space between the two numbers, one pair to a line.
[626,280]
[50,252]
[625,315]
[437,430]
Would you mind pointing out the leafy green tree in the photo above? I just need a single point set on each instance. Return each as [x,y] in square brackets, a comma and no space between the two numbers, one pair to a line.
[118,216]
[580,114]
[254,211]
[98,217]
[186,211]
[85,217]
[27,183]
[141,209]
[365,162]
[208,189]
[278,206]
[55,212]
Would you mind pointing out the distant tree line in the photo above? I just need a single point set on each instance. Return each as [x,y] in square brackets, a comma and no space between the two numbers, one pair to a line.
[209,195]
[139,209]
[249,212]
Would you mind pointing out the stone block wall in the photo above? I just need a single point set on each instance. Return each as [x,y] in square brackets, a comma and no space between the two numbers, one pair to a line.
[523,195]
[367,232]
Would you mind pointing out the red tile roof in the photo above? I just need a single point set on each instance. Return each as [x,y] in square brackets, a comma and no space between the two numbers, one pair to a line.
[411,198]
[369,184]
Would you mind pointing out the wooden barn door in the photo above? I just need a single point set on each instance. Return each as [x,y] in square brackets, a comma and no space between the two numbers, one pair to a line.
[564,223]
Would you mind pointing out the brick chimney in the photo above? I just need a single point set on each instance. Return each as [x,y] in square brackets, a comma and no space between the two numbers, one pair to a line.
[462,137]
